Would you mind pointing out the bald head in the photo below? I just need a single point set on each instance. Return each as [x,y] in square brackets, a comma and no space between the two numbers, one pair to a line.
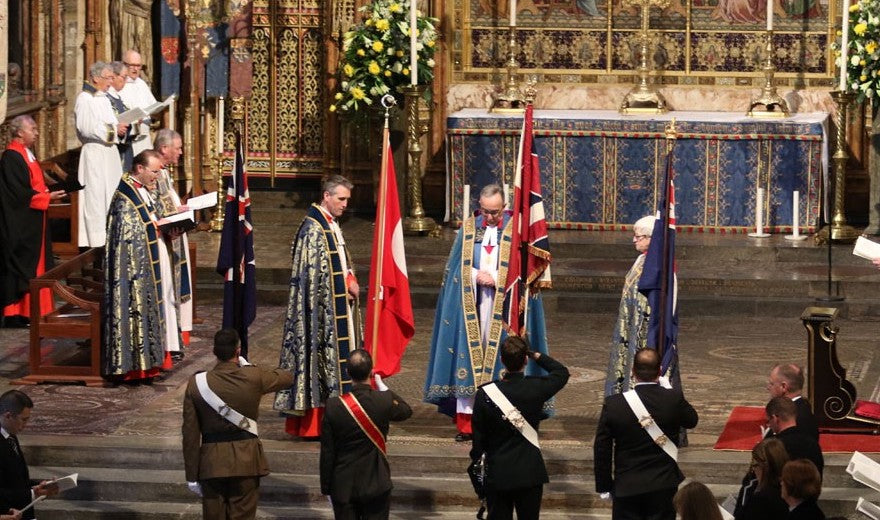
[133,62]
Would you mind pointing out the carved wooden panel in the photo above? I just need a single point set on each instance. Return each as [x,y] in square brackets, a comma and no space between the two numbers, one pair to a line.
[286,114]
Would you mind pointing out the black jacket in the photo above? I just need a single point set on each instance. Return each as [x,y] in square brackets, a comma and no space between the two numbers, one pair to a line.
[800,445]
[640,465]
[806,510]
[352,467]
[512,461]
[805,418]
[15,482]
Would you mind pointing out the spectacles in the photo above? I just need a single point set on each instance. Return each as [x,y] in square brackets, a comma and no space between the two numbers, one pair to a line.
[491,212]
[641,237]
[134,65]
[107,77]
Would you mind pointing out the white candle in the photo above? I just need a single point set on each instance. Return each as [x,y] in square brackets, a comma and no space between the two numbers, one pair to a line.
[220,116]
[844,44]
[513,13]
[171,114]
[770,15]
[506,195]
[413,52]
[465,202]
[759,212]
[795,217]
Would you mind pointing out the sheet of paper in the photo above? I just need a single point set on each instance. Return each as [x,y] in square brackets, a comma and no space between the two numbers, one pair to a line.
[208,200]
[160,105]
[868,508]
[130,116]
[68,482]
[867,249]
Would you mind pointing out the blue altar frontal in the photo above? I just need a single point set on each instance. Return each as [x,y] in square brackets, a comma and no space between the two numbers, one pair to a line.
[602,170]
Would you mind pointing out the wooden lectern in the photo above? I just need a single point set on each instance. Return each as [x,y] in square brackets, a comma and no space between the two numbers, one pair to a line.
[833,397]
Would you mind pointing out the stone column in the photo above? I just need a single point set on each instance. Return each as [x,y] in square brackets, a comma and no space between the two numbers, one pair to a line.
[874,171]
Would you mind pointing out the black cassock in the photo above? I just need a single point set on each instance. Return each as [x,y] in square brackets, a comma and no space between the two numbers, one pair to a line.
[22,229]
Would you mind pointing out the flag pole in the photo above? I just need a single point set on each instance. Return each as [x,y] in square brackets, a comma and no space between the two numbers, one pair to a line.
[387,102]
[665,267]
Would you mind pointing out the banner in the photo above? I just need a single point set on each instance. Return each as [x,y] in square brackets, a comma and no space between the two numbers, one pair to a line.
[235,261]
[529,264]
[389,324]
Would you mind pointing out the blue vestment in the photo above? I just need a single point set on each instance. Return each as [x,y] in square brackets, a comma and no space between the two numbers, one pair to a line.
[459,362]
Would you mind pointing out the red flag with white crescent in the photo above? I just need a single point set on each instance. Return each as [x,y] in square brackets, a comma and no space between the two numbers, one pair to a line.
[388,293]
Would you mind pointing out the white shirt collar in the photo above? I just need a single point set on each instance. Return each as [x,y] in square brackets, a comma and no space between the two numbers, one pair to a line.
[4,432]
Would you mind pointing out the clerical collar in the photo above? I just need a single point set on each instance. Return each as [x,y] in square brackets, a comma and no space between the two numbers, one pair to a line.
[137,184]
[327,215]
[91,89]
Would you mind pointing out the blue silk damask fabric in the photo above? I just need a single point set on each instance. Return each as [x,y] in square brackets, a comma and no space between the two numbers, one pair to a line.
[606,173]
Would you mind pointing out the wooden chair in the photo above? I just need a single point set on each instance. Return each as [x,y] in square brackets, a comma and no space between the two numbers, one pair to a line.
[79,284]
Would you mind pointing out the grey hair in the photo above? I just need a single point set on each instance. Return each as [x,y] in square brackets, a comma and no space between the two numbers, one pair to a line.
[17,124]
[490,190]
[332,182]
[645,225]
[117,67]
[97,68]
[165,137]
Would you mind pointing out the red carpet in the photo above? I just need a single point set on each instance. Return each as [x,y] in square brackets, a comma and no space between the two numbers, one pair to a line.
[743,431]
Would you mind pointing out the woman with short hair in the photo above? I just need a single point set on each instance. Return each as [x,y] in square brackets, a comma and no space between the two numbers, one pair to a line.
[801,487]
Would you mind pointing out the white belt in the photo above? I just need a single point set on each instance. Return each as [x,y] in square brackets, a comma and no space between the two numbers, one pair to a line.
[647,422]
[220,406]
[512,414]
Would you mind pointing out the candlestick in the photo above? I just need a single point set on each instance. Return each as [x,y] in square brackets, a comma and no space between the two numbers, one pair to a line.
[844,44]
[465,203]
[413,51]
[512,13]
[770,15]
[506,195]
[759,216]
[220,116]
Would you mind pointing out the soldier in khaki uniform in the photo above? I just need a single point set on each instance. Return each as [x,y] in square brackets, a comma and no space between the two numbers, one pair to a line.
[223,456]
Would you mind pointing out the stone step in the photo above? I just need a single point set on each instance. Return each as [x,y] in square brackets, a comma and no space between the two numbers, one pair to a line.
[438,492]
[118,510]
[564,459]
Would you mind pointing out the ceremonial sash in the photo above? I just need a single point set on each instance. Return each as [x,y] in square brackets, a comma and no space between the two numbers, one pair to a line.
[220,406]
[363,420]
[647,422]
[512,414]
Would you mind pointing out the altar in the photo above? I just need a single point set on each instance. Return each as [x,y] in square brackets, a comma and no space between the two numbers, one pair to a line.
[601,170]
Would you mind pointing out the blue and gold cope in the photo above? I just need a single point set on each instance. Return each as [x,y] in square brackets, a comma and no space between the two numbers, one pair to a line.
[316,340]
[134,323]
[459,362]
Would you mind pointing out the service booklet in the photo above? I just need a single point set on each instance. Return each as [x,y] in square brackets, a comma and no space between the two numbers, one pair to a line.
[867,249]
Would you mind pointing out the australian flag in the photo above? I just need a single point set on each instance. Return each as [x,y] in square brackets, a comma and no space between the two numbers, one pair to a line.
[658,282]
[236,259]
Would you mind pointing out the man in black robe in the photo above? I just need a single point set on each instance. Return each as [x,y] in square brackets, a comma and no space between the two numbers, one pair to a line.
[26,250]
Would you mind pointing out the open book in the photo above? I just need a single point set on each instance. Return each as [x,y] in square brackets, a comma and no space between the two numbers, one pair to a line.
[868,508]
[137,113]
[64,483]
[867,249]
[865,470]
[183,221]
[208,200]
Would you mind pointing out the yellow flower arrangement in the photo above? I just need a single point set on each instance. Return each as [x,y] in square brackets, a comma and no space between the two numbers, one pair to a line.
[863,51]
[376,54]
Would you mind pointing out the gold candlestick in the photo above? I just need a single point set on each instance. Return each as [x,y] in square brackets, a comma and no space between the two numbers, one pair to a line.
[644,98]
[769,103]
[511,100]
[416,222]
[840,230]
